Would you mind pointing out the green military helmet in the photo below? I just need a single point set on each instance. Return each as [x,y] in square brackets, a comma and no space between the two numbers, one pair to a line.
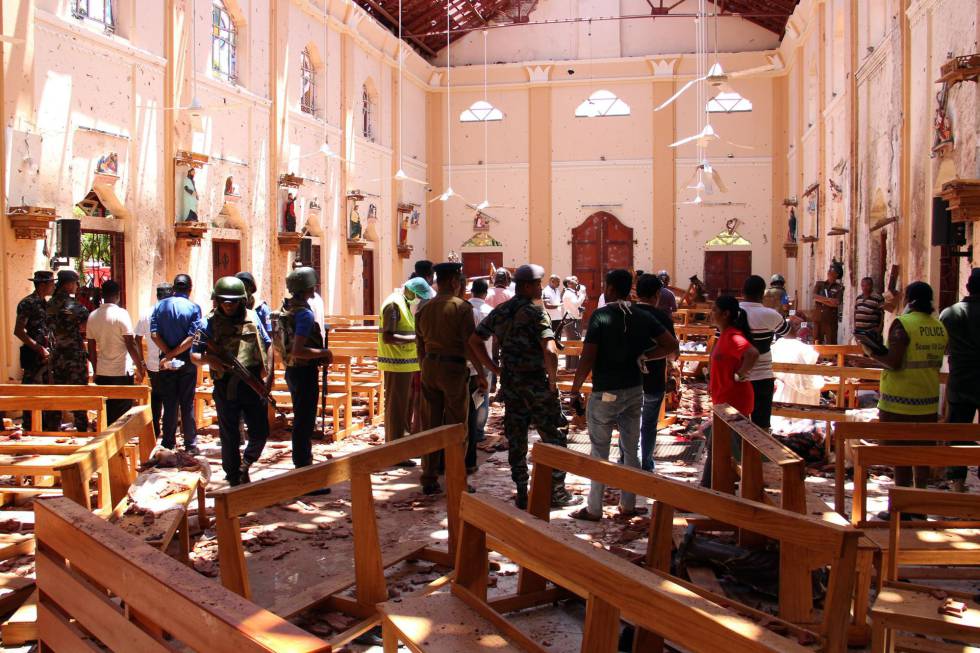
[229,288]
[301,280]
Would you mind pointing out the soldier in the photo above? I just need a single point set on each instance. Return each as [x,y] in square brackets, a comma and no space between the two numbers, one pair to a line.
[32,330]
[442,331]
[260,306]
[528,382]
[776,297]
[299,343]
[235,330]
[66,320]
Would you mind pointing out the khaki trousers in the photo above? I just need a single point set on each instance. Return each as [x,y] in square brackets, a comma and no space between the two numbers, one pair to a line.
[398,405]
[445,400]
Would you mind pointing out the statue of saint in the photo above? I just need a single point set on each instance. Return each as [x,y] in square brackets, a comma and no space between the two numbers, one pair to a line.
[188,203]
[791,233]
[403,230]
[289,214]
[354,224]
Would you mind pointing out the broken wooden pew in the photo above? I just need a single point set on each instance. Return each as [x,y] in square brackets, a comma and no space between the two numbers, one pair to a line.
[465,619]
[101,588]
[370,560]
[803,539]
[923,609]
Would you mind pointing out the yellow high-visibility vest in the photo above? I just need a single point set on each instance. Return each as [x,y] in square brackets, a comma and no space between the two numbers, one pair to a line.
[914,389]
[401,357]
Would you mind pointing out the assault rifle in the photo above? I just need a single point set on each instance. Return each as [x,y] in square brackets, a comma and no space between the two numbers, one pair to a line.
[565,321]
[236,368]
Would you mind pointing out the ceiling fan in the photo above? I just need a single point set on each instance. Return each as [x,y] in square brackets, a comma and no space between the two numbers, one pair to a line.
[718,78]
[706,179]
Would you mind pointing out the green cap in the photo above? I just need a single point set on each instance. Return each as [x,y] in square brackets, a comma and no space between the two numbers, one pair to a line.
[300,280]
[229,288]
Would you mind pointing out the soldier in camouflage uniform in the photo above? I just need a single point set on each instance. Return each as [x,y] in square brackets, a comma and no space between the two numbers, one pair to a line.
[66,319]
[528,374]
[32,330]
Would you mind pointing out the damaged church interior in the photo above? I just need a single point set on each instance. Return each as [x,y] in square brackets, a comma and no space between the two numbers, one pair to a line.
[445,326]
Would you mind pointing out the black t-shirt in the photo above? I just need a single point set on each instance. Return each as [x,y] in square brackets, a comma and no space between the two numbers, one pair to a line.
[655,380]
[621,333]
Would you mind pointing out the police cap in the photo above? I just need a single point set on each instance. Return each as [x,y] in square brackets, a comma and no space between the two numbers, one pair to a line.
[528,272]
[447,270]
[164,290]
[182,282]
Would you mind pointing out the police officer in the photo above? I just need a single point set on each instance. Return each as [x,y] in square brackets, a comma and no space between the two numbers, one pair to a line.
[260,306]
[235,329]
[299,343]
[442,331]
[528,381]
[66,320]
[32,330]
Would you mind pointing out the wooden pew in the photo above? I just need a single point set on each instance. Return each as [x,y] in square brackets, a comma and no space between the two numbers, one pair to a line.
[914,608]
[805,542]
[139,394]
[56,403]
[369,560]
[81,558]
[888,432]
[349,320]
[466,620]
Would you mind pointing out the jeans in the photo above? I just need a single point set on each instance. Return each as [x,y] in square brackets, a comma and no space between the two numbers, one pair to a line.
[178,394]
[622,413]
[960,414]
[648,428]
[232,402]
[763,389]
[476,422]
[304,387]
[115,408]
[156,401]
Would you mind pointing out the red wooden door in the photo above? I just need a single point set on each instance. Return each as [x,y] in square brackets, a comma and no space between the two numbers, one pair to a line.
[726,272]
[367,256]
[600,244]
[225,258]
[477,264]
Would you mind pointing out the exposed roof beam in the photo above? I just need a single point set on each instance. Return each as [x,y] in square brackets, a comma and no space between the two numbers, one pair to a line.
[394,22]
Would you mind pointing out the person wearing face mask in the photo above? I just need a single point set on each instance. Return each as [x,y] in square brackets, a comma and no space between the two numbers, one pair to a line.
[398,357]
[910,381]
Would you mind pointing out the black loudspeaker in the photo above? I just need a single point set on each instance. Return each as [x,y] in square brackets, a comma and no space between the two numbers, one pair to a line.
[69,237]
[306,251]
[945,232]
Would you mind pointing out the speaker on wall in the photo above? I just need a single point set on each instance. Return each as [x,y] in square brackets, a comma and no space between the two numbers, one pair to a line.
[945,232]
[69,237]
[306,251]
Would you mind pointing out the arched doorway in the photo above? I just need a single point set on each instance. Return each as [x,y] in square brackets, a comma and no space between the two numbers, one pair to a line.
[601,243]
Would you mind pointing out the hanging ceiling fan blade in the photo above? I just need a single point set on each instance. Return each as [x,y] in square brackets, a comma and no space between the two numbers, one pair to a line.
[738,145]
[404,177]
[716,177]
[679,93]
[748,72]
[684,141]
[690,180]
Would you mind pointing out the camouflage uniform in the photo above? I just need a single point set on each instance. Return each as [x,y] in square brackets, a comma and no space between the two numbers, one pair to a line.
[519,327]
[33,309]
[66,319]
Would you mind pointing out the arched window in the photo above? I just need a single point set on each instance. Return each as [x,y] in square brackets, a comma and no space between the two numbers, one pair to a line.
[481,111]
[307,100]
[602,103]
[97,11]
[224,40]
[367,113]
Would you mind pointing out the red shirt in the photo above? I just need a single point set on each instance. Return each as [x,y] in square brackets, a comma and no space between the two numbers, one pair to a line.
[726,358]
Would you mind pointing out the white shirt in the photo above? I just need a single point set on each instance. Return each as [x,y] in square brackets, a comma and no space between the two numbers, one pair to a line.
[572,301]
[796,388]
[316,305]
[551,295]
[765,324]
[497,296]
[481,309]
[107,326]
[152,351]
[602,301]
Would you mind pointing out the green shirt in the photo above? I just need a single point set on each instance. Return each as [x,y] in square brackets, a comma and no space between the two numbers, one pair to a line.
[962,322]
[621,333]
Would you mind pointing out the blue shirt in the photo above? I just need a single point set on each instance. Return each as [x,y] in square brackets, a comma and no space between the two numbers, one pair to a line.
[265,316]
[174,319]
[304,322]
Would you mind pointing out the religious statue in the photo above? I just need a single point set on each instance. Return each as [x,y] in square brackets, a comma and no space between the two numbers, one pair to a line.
[354,223]
[942,125]
[416,217]
[403,230]
[480,222]
[108,164]
[289,214]
[791,232]
[230,186]
[315,203]
[188,203]
[371,225]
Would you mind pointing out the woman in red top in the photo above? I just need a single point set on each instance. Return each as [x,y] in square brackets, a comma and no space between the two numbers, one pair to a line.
[732,357]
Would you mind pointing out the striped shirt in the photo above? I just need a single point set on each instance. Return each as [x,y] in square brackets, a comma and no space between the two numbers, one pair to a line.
[766,325]
[869,313]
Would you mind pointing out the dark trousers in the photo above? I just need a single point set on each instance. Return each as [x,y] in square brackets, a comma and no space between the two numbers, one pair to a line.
[178,394]
[906,475]
[156,401]
[304,387]
[764,389]
[234,400]
[960,414]
[31,364]
[115,408]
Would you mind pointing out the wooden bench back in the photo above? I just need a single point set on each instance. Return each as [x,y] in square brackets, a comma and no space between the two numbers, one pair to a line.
[866,455]
[613,588]
[357,468]
[924,502]
[890,432]
[80,557]
[64,401]
[137,393]
[802,538]
[349,320]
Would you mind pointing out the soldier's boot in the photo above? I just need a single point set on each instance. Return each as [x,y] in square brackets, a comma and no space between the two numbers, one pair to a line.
[562,498]
[243,476]
[521,499]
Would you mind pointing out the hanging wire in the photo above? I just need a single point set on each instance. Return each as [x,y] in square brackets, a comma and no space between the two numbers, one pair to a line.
[486,146]
[401,90]
[449,92]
